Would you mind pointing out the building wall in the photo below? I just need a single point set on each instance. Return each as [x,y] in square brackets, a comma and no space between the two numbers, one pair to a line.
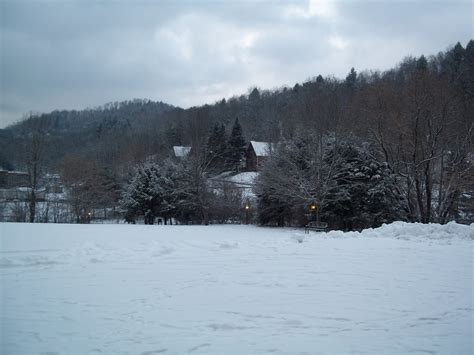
[18,179]
[3,179]
[261,160]
[10,179]
[251,160]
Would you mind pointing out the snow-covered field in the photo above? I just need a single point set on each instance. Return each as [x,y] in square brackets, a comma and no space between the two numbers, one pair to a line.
[129,289]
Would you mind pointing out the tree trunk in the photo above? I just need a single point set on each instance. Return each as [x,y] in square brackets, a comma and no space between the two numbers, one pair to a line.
[205,216]
[32,206]
[428,190]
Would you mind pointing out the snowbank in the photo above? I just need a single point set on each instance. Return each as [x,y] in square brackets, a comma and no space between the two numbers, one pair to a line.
[418,231]
[135,289]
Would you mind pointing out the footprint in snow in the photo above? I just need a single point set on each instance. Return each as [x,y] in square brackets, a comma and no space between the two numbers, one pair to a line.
[152,352]
[298,238]
[228,245]
[197,347]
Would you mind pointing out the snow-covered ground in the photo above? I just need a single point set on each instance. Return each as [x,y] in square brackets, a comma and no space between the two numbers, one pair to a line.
[130,289]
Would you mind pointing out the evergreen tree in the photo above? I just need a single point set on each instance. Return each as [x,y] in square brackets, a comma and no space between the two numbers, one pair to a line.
[216,149]
[421,63]
[467,69]
[192,194]
[148,193]
[274,203]
[364,192]
[254,96]
[351,188]
[252,114]
[137,198]
[164,187]
[351,79]
[174,134]
[291,178]
[235,148]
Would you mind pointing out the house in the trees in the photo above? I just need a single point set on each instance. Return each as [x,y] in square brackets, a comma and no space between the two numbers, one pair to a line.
[181,151]
[256,154]
[52,183]
[13,179]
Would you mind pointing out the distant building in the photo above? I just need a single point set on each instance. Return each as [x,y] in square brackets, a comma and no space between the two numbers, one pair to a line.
[3,179]
[52,183]
[256,154]
[181,151]
[12,179]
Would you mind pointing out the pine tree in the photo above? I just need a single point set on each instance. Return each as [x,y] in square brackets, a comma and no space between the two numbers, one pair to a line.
[216,149]
[235,148]
[421,63]
[254,96]
[467,68]
[192,194]
[144,195]
[364,192]
[351,79]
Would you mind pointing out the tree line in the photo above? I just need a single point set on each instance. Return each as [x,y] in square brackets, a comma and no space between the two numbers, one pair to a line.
[413,123]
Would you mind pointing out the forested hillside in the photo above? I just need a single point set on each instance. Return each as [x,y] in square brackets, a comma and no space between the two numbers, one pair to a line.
[413,122]
[103,134]
[362,103]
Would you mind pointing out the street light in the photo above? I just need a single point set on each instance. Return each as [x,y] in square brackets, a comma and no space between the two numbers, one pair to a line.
[247,211]
[314,211]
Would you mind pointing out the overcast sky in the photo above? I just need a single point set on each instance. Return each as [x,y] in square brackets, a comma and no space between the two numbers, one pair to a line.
[78,54]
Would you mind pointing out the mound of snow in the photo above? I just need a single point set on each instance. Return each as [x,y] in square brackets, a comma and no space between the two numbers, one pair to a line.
[416,231]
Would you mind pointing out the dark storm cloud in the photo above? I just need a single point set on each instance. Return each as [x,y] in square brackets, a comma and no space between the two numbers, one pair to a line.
[76,54]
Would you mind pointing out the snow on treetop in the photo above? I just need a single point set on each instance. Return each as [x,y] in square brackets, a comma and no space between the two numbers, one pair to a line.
[262,149]
[181,151]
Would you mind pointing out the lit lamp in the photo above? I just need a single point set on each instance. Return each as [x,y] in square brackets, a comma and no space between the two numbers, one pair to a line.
[247,211]
[313,210]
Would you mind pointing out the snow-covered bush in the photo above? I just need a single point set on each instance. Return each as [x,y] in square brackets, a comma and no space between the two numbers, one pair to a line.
[148,193]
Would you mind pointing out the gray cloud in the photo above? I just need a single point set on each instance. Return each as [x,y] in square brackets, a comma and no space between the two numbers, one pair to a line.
[77,54]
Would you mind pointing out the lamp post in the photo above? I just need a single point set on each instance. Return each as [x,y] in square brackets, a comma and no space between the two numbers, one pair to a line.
[314,210]
[247,211]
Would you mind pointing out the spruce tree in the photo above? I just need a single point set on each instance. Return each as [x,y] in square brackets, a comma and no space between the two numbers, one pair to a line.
[364,192]
[150,192]
[351,79]
[421,63]
[216,149]
[235,148]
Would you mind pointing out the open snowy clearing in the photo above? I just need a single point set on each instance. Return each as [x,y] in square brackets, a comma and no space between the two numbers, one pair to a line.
[129,289]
